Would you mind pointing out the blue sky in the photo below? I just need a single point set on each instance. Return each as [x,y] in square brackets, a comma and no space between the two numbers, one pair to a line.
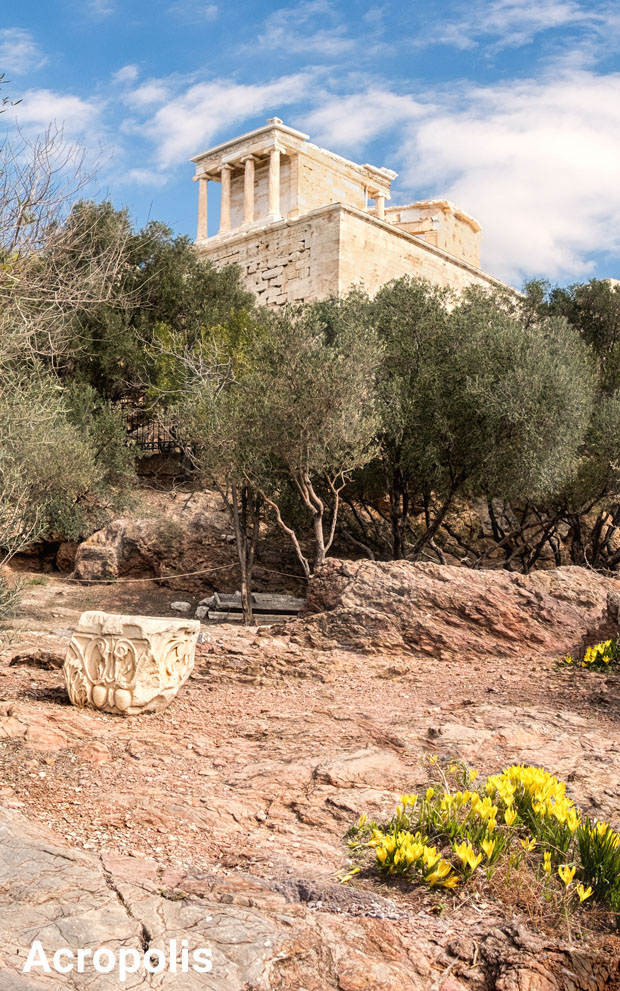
[511,108]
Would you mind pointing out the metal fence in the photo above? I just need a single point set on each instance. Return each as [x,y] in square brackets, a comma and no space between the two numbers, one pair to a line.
[150,433]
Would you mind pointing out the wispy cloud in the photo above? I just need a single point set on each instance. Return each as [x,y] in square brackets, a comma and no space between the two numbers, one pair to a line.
[510,23]
[186,124]
[100,8]
[312,26]
[352,121]
[150,93]
[194,11]
[19,52]
[126,74]
[146,177]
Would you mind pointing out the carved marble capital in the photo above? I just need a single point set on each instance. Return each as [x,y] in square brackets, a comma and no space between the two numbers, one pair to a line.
[129,664]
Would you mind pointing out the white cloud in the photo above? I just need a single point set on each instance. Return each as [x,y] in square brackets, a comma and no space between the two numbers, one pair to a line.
[310,27]
[536,163]
[352,121]
[19,52]
[126,74]
[40,107]
[188,123]
[148,94]
[146,177]
[511,23]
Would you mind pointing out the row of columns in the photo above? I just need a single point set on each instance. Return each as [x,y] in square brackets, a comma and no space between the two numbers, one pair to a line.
[273,210]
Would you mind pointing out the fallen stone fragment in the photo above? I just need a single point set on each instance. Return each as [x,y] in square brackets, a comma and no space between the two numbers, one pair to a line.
[129,664]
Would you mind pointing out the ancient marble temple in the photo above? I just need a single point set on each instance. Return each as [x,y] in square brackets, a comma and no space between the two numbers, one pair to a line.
[303,223]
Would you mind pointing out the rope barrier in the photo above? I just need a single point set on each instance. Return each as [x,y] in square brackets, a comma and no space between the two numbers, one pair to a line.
[186,574]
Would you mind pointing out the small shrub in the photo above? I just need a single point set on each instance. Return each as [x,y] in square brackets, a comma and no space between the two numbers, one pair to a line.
[522,819]
[9,599]
[601,657]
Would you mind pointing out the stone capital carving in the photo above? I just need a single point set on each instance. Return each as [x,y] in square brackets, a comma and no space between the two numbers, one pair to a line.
[129,664]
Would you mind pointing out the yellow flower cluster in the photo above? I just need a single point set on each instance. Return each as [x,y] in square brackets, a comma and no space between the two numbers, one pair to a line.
[408,852]
[600,656]
[534,789]
[603,831]
[467,855]
[483,808]
[523,807]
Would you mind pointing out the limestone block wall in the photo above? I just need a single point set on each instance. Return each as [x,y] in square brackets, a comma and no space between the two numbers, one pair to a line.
[441,224]
[373,252]
[457,237]
[288,262]
[321,184]
[330,250]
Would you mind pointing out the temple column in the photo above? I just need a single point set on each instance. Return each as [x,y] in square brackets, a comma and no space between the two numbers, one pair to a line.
[201,232]
[274,184]
[248,190]
[380,206]
[225,173]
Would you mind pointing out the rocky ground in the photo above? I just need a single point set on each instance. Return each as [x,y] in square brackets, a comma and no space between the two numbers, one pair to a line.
[222,818]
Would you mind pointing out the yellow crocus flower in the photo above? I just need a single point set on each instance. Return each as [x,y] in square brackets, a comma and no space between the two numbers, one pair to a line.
[488,846]
[429,794]
[450,882]
[547,862]
[566,874]
[584,892]
[509,816]
[528,844]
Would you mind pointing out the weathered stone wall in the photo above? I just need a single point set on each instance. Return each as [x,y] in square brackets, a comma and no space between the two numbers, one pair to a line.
[439,223]
[320,184]
[373,253]
[291,261]
[329,250]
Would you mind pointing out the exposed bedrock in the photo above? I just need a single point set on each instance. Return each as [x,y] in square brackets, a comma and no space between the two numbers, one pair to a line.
[442,610]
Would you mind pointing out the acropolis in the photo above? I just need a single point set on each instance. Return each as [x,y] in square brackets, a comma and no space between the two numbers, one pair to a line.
[303,223]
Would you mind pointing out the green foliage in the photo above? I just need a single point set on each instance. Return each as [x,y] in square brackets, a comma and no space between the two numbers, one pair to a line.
[63,463]
[168,301]
[473,400]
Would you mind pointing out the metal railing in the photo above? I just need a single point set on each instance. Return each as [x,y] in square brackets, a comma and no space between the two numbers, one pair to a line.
[150,432]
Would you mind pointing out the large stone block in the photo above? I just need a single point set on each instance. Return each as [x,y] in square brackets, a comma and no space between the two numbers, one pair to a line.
[129,664]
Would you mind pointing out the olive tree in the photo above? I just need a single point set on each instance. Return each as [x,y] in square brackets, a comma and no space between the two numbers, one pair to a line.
[278,419]
[311,417]
[212,426]
[474,402]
